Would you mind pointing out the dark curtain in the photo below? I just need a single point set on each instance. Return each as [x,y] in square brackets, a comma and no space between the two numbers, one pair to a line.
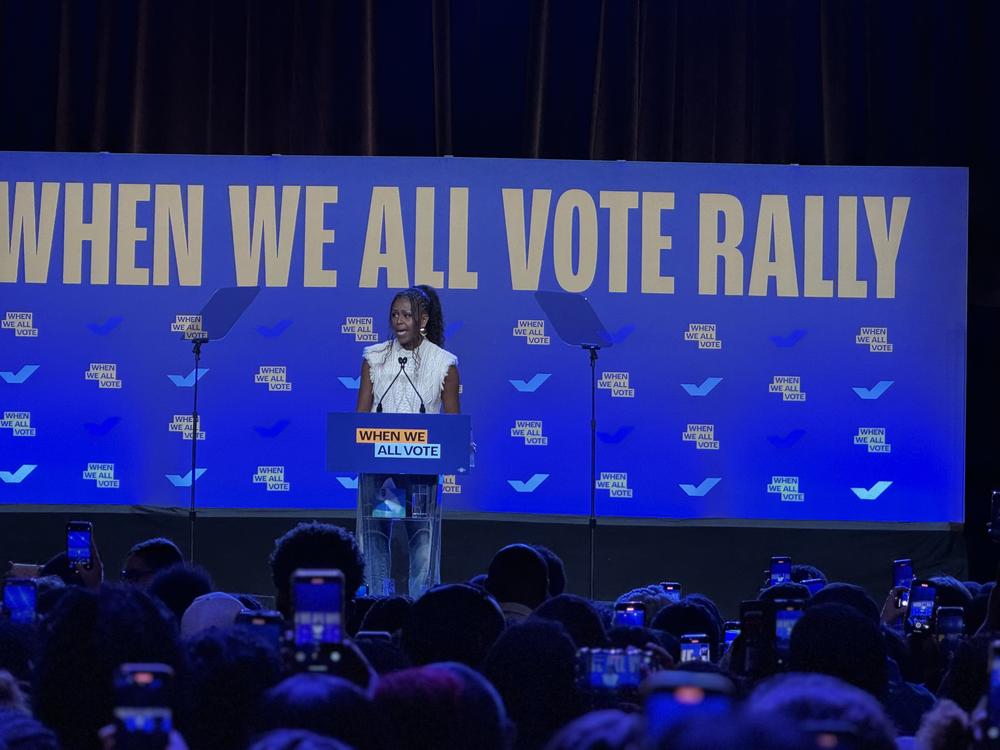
[908,82]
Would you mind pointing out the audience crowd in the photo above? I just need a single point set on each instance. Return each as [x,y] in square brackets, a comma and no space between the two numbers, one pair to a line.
[506,661]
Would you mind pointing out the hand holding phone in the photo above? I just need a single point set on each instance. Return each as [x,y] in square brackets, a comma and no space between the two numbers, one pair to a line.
[79,540]
[81,551]
[895,605]
[920,612]
[318,619]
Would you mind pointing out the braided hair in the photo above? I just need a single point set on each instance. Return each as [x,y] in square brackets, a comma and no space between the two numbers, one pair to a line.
[423,299]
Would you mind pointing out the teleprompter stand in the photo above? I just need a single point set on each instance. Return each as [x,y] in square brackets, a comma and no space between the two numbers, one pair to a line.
[216,318]
[577,324]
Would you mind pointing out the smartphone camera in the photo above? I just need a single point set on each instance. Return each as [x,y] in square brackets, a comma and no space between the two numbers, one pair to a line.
[629,615]
[695,647]
[902,573]
[920,612]
[268,624]
[674,696]
[732,632]
[143,715]
[606,670]
[672,589]
[786,614]
[79,536]
[781,570]
[318,622]
[19,597]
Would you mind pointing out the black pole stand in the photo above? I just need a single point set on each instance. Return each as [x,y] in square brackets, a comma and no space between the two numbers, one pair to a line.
[593,464]
[217,317]
[193,511]
[577,324]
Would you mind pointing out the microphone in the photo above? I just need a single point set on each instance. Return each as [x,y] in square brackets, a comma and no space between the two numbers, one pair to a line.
[402,363]
[423,409]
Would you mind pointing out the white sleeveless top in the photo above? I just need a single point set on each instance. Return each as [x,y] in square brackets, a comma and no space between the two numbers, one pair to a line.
[427,366]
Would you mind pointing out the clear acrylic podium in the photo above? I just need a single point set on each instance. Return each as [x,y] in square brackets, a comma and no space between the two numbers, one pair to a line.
[399,459]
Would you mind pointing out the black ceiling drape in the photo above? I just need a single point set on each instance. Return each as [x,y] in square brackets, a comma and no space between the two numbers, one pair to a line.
[781,81]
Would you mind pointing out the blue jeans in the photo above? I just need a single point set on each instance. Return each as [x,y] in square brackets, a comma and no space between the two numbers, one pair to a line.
[385,503]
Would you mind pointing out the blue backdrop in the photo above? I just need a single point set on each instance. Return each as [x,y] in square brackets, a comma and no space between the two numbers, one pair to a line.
[789,341]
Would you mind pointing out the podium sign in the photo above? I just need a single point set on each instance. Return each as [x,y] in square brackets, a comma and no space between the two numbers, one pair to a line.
[369,442]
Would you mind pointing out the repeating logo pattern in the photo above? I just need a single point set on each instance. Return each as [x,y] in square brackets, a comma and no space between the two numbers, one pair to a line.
[530,430]
[728,366]
[105,374]
[618,383]
[787,488]
[18,475]
[789,386]
[615,482]
[21,323]
[702,435]
[272,477]
[18,422]
[874,438]
[102,474]
[876,339]
[183,424]
[189,325]
[360,327]
[704,334]
[532,331]
[274,376]
[19,377]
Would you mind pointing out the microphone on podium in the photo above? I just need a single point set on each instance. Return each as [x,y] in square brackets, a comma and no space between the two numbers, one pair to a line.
[402,363]
[423,409]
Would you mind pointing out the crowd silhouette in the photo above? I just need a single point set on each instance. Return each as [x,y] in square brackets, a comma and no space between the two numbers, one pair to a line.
[506,661]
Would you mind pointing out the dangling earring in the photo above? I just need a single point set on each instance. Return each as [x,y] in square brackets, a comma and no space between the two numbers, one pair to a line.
[423,332]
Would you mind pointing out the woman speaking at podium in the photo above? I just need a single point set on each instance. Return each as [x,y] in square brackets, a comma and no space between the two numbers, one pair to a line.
[410,373]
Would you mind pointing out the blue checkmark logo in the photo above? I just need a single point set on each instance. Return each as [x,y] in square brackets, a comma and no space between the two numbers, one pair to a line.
[622,333]
[871,494]
[617,436]
[103,329]
[97,429]
[785,342]
[16,378]
[348,483]
[351,384]
[530,486]
[786,441]
[530,386]
[187,381]
[701,390]
[700,490]
[870,394]
[274,331]
[272,431]
[185,481]
[16,477]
